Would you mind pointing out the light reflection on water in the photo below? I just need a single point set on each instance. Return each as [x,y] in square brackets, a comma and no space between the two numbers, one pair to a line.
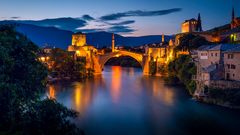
[116,83]
[123,101]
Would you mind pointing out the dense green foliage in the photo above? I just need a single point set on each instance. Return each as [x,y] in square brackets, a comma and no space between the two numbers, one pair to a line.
[22,81]
[190,41]
[65,65]
[180,71]
[182,68]
[232,96]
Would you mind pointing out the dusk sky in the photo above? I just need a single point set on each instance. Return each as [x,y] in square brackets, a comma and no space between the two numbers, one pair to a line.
[129,17]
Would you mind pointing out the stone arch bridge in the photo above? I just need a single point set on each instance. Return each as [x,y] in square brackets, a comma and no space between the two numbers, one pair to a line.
[100,60]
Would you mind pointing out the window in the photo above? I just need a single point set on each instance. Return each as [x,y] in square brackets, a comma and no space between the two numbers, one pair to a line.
[212,54]
[233,67]
[216,54]
[228,65]
[230,56]
[203,54]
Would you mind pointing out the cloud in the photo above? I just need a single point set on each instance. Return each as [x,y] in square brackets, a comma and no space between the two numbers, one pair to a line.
[87,18]
[120,29]
[15,17]
[123,23]
[91,30]
[135,13]
[63,23]
[110,23]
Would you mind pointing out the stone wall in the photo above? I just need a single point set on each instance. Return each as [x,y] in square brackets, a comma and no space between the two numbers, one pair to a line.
[224,84]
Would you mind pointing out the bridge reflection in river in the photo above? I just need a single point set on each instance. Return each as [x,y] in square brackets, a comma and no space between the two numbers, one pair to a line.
[123,101]
[116,83]
[83,93]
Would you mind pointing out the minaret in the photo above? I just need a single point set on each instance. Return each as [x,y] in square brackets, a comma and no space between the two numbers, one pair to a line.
[233,18]
[233,14]
[163,38]
[113,43]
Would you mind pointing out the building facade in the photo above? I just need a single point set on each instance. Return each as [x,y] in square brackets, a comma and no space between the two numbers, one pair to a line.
[217,66]
[81,49]
[232,64]
[189,25]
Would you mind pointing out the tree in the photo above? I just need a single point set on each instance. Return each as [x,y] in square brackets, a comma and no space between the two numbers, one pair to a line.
[66,66]
[22,81]
[22,76]
[48,117]
[190,41]
[180,71]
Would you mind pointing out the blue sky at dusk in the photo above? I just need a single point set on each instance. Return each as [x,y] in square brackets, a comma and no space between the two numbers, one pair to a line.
[130,17]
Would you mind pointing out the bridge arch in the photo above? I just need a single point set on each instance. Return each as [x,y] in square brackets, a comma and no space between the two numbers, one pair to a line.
[104,58]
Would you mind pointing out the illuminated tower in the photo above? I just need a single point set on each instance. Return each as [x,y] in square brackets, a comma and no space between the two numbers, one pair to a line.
[163,38]
[79,39]
[113,43]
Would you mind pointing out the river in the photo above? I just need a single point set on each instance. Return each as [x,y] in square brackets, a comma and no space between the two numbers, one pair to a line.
[124,102]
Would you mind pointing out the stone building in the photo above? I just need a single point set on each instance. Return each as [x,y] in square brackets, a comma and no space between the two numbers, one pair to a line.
[189,25]
[227,33]
[161,53]
[44,56]
[192,25]
[233,34]
[81,49]
[216,65]
[232,64]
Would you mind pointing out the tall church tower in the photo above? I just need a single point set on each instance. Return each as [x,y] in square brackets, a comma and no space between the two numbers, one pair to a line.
[113,43]
[233,24]
[199,23]
[233,14]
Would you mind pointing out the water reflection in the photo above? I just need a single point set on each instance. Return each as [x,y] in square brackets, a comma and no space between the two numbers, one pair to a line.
[77,95]
[158,89]
[160,92]
[116,83]
[131,72]
[123,101]
[52,90]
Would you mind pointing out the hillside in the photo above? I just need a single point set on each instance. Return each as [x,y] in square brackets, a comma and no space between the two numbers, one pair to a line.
[62,38]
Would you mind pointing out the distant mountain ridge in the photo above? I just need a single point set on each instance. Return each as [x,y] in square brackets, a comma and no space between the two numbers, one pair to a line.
[62,38]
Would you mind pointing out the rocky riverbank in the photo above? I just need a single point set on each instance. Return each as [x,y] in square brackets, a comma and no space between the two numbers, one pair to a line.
[212,101]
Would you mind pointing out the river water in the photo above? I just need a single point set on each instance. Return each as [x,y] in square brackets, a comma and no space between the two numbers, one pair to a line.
[124,102]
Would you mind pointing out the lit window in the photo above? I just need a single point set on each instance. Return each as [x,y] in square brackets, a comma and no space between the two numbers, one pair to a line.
[230,56]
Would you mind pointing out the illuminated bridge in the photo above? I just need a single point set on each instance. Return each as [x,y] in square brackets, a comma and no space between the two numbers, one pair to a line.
[100,60]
